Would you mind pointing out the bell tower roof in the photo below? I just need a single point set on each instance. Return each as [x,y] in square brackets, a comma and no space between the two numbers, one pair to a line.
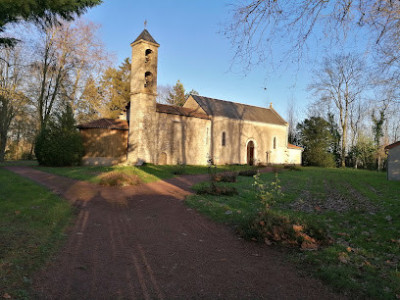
[146,36]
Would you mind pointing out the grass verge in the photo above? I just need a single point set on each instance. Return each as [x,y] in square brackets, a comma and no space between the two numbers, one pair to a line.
[26,163]
[358,210]
[147,173]
[32,224]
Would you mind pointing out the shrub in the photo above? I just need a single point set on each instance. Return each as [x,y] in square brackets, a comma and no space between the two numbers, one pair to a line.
[249,173]
[59,143]
[267,192]
[225,177]
[270,226]
[292,167]
[216,190]
[27,155]
[114,178]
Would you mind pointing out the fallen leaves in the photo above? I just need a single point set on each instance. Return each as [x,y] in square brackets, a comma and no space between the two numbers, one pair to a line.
[344,258]
[343,234]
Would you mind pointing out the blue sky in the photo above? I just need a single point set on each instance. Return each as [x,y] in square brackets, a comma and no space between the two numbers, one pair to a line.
[194,50]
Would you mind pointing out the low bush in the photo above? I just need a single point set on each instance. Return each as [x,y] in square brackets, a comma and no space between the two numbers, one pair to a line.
[207,189]
[59,143]
[225,177]
[292,167]
[271,226]
[249,173]
[118,179]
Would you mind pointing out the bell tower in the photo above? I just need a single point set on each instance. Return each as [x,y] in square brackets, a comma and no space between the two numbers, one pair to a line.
[142,112]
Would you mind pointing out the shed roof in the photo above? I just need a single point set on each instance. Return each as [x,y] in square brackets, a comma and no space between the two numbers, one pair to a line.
[146,36]
[105,124]
[395,144]
[291,146]
[179,110]
[238,111]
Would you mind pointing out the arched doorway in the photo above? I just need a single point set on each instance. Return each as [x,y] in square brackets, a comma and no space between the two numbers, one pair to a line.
[250,153]
[162,160]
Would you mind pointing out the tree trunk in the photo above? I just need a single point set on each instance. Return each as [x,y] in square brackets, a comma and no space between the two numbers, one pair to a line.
[3,140]
[379,167]
[343,153]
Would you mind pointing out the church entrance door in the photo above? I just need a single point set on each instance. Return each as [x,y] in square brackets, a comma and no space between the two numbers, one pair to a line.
[250,153]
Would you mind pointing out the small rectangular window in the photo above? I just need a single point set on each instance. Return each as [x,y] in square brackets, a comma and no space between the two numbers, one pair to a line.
[274,146]
[223,139]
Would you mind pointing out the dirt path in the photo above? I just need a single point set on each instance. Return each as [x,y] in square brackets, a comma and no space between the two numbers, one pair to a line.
[144,243]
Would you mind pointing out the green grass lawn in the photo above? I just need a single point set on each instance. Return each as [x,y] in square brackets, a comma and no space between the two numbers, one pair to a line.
[147,173]
[359,210]
[32,225]
[27,163]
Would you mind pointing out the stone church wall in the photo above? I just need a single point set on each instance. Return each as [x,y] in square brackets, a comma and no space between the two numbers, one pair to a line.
[182,140]
[104,146]
[238,133]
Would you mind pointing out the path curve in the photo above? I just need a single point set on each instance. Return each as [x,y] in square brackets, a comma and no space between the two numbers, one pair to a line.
[143,243]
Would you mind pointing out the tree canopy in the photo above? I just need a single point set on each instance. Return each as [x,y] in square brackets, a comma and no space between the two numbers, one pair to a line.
[177,95]
[59,143]
[316,139]
[257,24]
[42,12]
[115,88]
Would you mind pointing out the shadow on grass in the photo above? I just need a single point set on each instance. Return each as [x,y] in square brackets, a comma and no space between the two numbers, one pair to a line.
[147,173]
[27,163]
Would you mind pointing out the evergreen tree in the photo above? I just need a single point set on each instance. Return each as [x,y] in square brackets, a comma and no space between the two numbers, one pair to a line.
[177,96]
[90,106]
[42,12]
[115,88]
[377,129]
[316,139]
[192,92]
[362,153]
[59,143]
[336,138]
[377,126]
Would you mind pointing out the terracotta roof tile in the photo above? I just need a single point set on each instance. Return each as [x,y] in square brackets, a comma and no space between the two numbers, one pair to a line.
[180,111]
[395,144]
[105,124]
[291,146]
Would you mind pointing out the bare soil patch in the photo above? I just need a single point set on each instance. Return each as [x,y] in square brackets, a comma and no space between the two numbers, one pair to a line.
[332,200]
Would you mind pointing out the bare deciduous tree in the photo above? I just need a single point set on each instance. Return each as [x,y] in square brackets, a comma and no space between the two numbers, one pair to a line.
[257,24]
[163,92]
[340,82]
[292,121]
[66,57]
[11,97]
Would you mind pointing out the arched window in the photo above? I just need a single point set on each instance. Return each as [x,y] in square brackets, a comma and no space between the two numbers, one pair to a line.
[223,138]
[148,54]
[148,80]
[274,144]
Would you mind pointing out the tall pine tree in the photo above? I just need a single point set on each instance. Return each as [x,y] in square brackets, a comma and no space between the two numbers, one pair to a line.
[177,96]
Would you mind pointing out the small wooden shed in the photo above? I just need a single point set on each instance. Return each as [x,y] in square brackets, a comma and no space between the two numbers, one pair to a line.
[105,141]
[393,161]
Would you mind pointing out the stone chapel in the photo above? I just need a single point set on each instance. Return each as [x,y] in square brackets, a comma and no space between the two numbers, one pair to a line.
[204,128]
